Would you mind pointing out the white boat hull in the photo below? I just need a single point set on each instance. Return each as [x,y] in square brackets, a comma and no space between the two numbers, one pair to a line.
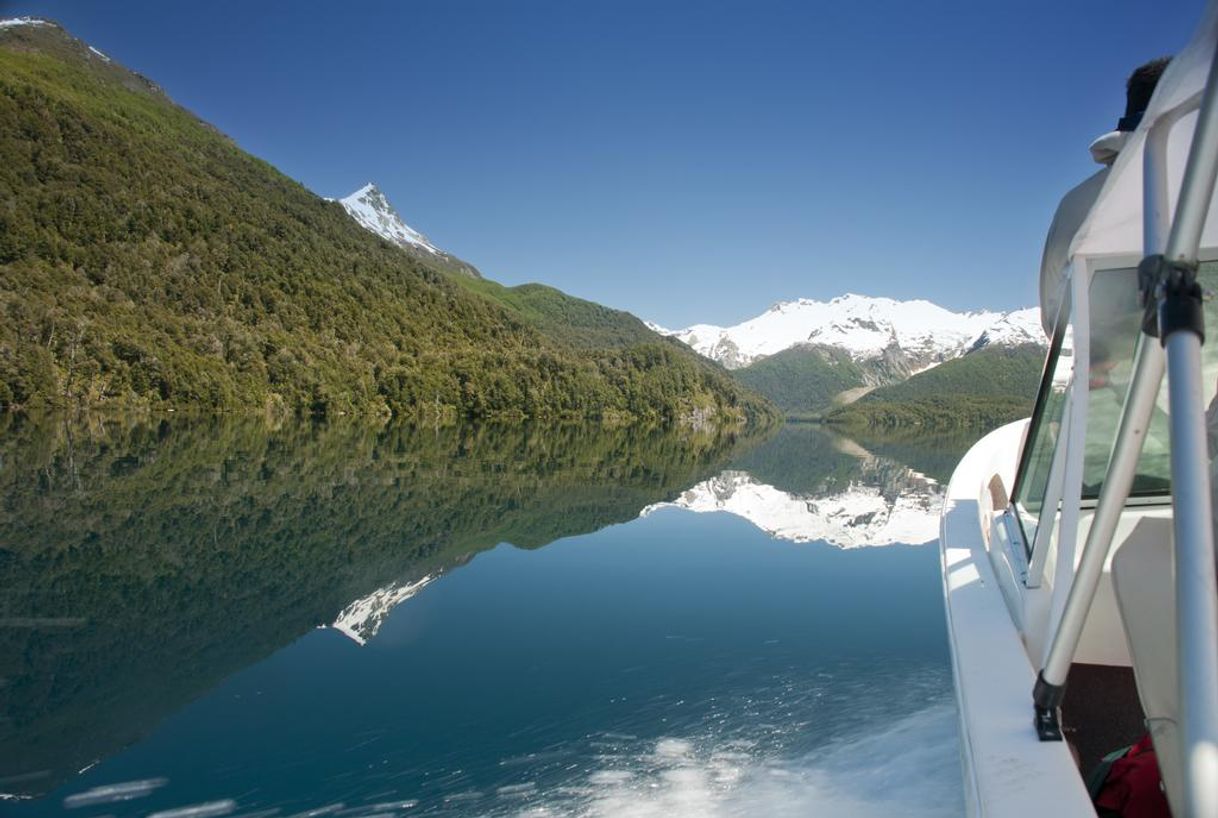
[1007,770]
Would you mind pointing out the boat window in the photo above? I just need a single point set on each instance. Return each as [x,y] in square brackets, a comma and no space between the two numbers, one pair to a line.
[1115,319]
[1115,326]
[1032,479]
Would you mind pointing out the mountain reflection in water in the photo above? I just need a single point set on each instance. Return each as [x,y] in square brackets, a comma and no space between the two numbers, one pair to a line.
[142,564]
[831,489]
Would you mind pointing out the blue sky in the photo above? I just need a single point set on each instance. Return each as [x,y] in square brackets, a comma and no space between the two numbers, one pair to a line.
[687,161]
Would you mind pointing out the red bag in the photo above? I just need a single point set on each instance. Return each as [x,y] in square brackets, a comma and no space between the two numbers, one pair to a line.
[1133,788]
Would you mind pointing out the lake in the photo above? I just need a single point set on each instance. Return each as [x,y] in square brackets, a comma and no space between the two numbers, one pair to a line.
[220,617]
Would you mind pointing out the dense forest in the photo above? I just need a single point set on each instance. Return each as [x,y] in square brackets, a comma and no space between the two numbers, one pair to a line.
[151,559]
[983,389]
[979,390]
[148,262]
[942,412]
[803,380]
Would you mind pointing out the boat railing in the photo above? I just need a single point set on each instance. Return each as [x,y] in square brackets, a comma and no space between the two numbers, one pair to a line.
[1172,296]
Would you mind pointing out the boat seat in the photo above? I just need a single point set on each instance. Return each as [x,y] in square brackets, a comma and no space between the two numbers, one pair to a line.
[1144,582]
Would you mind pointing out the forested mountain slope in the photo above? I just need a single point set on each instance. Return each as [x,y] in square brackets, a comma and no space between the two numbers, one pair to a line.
[991,386]
[147,261]
[805,380]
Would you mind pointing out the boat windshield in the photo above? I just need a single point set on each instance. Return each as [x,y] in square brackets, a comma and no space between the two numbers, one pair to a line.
[1115,326]
[1032,484]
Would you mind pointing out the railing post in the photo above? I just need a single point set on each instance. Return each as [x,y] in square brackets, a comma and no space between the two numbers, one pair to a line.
[1050,688]
[1182,330]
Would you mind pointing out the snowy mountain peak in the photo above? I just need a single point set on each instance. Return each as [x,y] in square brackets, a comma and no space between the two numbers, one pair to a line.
[866,327]
[372,210]
[13,22]
[855,299]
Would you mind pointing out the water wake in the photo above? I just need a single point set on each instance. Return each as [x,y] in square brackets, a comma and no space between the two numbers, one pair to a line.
[910,768]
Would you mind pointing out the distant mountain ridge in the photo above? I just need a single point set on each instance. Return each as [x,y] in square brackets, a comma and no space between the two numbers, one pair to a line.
[918,332]
[810,356]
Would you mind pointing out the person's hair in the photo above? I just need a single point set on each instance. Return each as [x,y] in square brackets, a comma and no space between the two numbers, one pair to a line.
[1138,90]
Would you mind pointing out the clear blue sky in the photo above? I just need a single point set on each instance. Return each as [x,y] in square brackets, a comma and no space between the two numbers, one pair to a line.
[687,161]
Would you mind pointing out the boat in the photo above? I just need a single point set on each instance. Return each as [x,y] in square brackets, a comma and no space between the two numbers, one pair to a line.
[1077,545]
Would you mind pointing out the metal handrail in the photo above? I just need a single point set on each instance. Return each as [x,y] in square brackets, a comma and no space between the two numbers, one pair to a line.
[1192,521]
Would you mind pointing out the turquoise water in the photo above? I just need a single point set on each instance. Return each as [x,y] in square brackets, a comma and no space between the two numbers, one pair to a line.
[172,594]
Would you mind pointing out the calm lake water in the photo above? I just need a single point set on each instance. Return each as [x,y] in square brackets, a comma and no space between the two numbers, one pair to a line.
[338,619]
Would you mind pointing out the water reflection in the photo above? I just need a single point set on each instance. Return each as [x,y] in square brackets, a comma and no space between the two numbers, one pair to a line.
[156,580]
[142,563]
[829,489]
[362,619]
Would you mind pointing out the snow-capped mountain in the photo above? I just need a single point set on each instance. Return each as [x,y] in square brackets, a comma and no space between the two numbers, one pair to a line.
[13,22]
[1012,329]
[864,514]
[362,619]
[372,210]
[867,328]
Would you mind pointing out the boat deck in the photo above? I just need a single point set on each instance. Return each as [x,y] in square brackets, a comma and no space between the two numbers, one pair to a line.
[1101,712]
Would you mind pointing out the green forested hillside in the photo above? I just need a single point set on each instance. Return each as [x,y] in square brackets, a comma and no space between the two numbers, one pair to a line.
[146,261]
[985,388]
[803,380]
[569,320]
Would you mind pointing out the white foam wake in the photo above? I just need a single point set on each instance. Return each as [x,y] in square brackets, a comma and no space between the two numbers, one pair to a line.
[910,768]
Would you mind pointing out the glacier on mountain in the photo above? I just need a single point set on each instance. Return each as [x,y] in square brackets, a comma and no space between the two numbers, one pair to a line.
[863,326]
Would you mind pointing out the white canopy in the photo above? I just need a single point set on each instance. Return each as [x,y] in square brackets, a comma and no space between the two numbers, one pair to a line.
[1114,225]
